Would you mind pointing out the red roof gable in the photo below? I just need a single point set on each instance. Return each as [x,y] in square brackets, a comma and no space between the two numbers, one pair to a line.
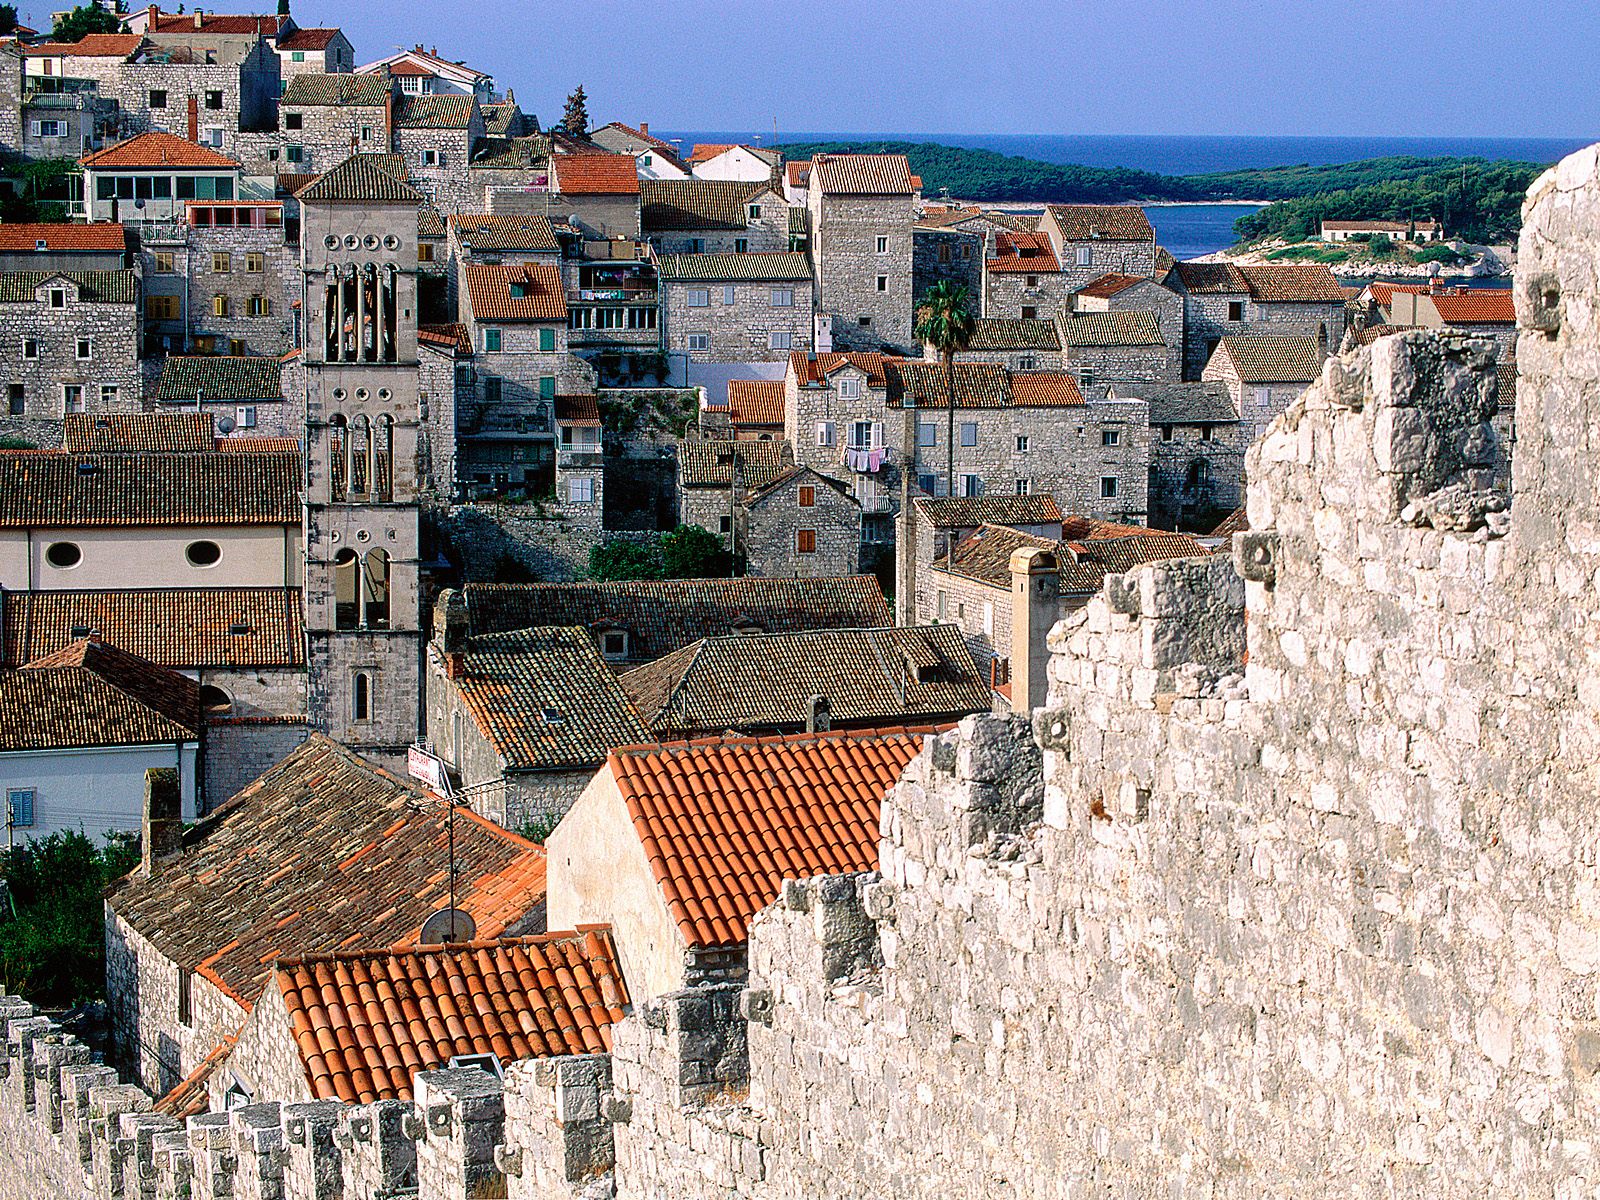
[24,236]
[156,149]
[1476,306]
[596,174]
[1023,252]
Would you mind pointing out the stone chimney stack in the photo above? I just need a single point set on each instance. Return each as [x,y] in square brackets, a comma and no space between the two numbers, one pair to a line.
[818,714]
[644,128]
[450,628]
[1035,606]
[194,118]
[163,817]
[199,19]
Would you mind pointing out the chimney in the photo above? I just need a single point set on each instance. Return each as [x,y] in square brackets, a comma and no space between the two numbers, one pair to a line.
[1035,607]
[818,718]
[194,118]
[450,627]
[388,119]
[644,128]
[163,817]
[152,17]
[199,19]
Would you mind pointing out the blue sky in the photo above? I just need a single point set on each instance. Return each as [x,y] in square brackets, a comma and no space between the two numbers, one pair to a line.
[1360,67]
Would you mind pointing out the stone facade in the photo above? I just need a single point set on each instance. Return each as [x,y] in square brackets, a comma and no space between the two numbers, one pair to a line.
[1014,294]
[1196,474]
[946,256]
[228,98]
[1146,296]
[437,159]
[804,526]
[80,356]
[318,137]
[846,233]
[743,320]
[242,282]
[1122,364]
[1209,316]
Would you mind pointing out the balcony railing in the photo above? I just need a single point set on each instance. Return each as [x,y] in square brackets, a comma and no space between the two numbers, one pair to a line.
[876,504]
[625,295]
[571,458]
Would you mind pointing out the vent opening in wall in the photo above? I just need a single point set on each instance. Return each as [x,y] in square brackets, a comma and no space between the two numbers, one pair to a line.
[203,554]
[63,554]
[484,1062]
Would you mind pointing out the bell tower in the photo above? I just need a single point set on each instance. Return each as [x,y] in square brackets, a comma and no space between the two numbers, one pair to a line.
[358,252]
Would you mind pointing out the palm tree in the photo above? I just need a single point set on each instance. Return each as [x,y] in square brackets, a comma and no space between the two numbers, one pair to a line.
[946,323]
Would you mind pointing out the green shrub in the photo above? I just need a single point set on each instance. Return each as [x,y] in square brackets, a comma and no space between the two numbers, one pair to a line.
[618,559]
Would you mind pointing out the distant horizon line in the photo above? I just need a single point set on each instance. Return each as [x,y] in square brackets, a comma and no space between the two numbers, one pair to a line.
[1327,137]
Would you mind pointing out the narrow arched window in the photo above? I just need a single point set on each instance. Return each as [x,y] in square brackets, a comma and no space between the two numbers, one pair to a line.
[346,590]
[375,588]
[361,697]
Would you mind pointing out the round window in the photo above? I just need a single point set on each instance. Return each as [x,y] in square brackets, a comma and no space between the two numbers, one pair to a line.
[63,554]
[383,393]
[370,241]
[203,554]
[338,393]
[392,242]
[361,393]
[331,241]
[351,241]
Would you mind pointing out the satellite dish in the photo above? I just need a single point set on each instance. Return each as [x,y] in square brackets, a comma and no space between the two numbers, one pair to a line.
[226,424]
[446,926]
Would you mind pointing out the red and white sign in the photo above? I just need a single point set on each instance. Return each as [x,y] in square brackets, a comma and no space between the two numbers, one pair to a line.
[424,765]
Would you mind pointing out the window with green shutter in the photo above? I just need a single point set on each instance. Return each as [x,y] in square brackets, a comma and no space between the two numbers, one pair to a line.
[491,340]
[547,340]
[547,387]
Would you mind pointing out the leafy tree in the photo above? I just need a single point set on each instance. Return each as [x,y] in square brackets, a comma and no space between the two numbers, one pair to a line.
[52,941]
[617,559]
[690,552]
[946,322]
[8,17]
[576,117]
[74,26]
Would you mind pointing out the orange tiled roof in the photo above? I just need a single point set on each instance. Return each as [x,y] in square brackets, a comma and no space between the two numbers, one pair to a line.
[191,1097]
[1476,306]
[1023,252]
[755,401]
[799,174]
[515,291]
[308,39]
[253,444]
[596,174]
[215,23]
[365,1022]
[578,410]
[453,337]
[814,368]
[723,823]
[156,149]
[1383,292]
[1109,285]
[25,236]
[1044,389]
[138,433]
[92,45]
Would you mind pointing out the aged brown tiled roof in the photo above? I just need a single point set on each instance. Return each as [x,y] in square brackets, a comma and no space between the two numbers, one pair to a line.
[661,615]
[1102,222]
[724,822]
[578,410]
[755,402]
[429,223]
[1109,285]
[137,433]
[977,385]
[762,682]
[1022,252]
[696,203]
[453,337]
[83,490]
[1197,403]
[596,174]
[367,91]
[191,1096]
[498,118]
[219,377]
[1235,522]
[94,287]
[92,45]
[323,852]
[181,628]
[527,232]
[1045,389]
[967,512]
[1212,278]
[1272,358]
[307,39]
[1088,553]
[156,149]
[516,153]
[1133,327]
[813,368]
[515,291]
[250,443]
[1009,333]
[360,179]
[366,1021]
[545,699]
[862,174]
[91,694]
[710,463]
[782,265]
[1293,284]
[433,112]
[23,237]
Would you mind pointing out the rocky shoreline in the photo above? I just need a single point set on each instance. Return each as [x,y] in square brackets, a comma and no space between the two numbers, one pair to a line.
[1487,262]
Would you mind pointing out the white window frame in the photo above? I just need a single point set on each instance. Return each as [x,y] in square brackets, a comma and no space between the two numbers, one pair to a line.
[849,389]
[580,490]
[699,341]
[1085,256]
[108,395]
[245,416]
[431,158]
[1024,487]
[697,297]
[971,485]
[1108,487]
[825,433]
[1110,438]
[1022,443]
[67,390]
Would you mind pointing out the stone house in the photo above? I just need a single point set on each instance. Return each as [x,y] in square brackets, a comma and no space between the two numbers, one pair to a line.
[523,718]
[944,254]
[220,280]
[73,342]
[178,987]
[1120,345]
[1197,448]
[753,307]
[580,465]
[613,299]
[1222,298]
[78,730]
[445,388]
[1022,278]
[420,72]
[809,682]
[510,174]
[505,118]
[754,412]
[944,522]
[1400,231]
[1016,343]
[1091,240]
[162,171]
[697,837]
[702,216]
[861,209]
[325,118]
[496,238]
[654,158]
[413,1008]
[716,474]
[435,135]
[1136,293]
[598,194]
[26,246]
[312,52]
[245,395]
[211,94]
[59,97]
[1264,374]
[725,161]
[641,620]
[1487,312]
[799,524]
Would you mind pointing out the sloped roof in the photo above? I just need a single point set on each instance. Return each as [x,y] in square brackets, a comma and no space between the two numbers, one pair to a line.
[191,1096]
[1476,306]
[524,153]
[764,681]
[710,463]
[666,204]
[1014,333]
[91,45]
[661,615]
[526,232]
[94,287]
[724,822]
[595,174]
[58,489]
[452,337]
[1110,285]
[862,174]
[1132,327]
[1101,222]
[137,433]
[360,179]
[231,23]
[1211,278]
[181,628]
[578,410]
[1045,389]
[366,1021]
[1022,252]
[323,851]
[219,377]
[515,291]
[977,385]
[157,149]
[307,39]
[1263,358]
[1274,284]
[1197,403]
[92,694]
[499,118]
[312,89]
[755,402]
[704,152]
[761,266]
[545,699]
[1238,521]
[814,368]
[23,237]
[1089,551]
[434,112]
[965,512]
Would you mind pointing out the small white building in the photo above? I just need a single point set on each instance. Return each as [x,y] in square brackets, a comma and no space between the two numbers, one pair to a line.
[423,73]
[1398,231]
[746,163]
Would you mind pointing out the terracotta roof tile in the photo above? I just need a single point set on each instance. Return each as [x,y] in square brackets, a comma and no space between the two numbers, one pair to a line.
[219,377]
[366,1021]
[1014,333]
[1089,551]
[105,490]
[1235,522]
[862,174]
[526,232]
[755,402]
[1022,252]
[191,1096]
[256,444]
[92,694]
[1045,389]
[1293,285]
[977,385]
[92,45]
[779,265]
[1476,306]
[666,204]
[1267,358]
[360,179]
[515,291]
[156,149]
[710,463]
[1133,327]
[23,237]
[311,89]
[1109,285]
[265,26]
[352,852]
[137,433]
[724,823]
[1212,278]
[453,337]
[181,628]
[578,410]
[1101,222]
[307,39]
[814,368]
[595,174]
